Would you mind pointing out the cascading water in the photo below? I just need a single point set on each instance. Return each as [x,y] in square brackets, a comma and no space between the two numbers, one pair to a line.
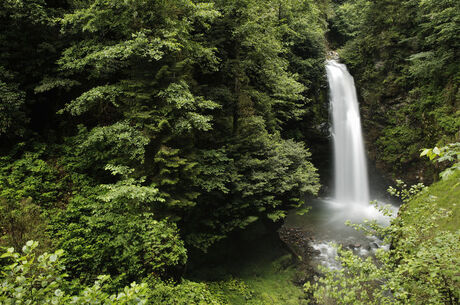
[351,199]
[351,181]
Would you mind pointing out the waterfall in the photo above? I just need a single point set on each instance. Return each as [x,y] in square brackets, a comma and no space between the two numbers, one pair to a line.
[350,172]
[328,215]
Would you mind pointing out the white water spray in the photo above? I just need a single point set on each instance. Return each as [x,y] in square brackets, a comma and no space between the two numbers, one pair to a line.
[351,181]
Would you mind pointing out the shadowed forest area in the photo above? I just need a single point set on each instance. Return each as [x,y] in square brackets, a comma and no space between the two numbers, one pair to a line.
[150,151]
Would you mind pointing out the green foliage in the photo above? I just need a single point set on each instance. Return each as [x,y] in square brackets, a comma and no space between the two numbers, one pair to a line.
[115,144]
[346,21]
[21,221]
[117,236]
[402,54]
[30,189]
[422,265]
[11,103]
[184,293]
[180,98]
[29,47]
[166,125]
[271,164]
[260,174]
[265,281]
[164,89]
[31,279]
[445,193]
[91,98]
[405,194]
[450,153]
[31,176]
[28,279]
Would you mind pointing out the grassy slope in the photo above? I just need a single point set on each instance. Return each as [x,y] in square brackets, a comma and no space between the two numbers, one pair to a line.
[258,284]
[445,194]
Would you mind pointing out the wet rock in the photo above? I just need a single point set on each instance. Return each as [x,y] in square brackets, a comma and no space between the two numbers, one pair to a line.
[372,246]
[332,55]
[298,241]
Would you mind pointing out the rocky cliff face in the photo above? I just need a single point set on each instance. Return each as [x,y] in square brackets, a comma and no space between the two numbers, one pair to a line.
[393,138]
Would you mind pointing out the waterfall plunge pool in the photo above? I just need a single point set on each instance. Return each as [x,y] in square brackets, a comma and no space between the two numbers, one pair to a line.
[325,222]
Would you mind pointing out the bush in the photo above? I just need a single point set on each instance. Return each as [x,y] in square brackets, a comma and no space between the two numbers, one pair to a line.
[115,239]
[186,293]
[27,279]
[422,266]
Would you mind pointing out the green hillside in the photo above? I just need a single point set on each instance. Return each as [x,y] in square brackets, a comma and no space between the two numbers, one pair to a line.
[444,194]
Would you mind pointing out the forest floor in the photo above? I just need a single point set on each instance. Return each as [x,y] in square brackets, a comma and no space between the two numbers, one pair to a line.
[257,271]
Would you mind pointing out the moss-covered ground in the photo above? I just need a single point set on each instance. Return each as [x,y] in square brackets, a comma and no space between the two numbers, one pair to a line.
[253,268]
[261,285]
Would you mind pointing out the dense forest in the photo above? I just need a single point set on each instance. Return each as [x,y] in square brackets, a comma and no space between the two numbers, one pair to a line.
[137,135]
[404,55]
